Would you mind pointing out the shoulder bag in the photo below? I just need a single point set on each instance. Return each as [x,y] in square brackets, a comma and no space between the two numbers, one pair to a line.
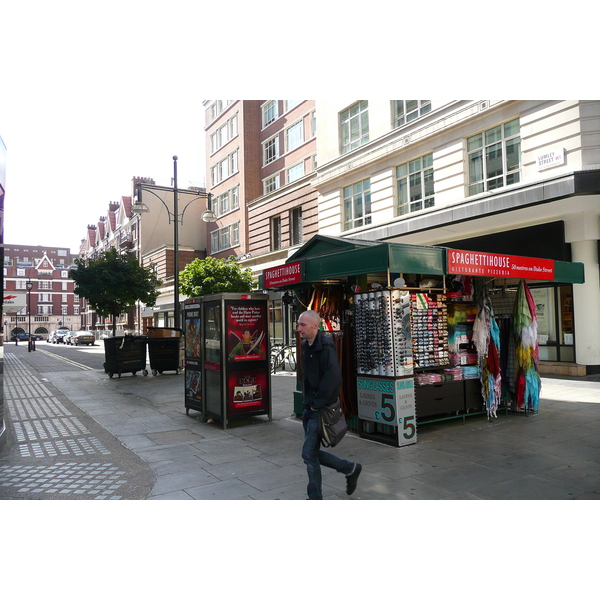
[332,424]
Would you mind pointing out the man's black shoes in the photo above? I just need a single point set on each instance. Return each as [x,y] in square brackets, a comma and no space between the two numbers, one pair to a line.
[352,479]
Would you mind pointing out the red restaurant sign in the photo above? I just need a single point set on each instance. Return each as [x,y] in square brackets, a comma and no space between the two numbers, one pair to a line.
[466,262]
[282,275]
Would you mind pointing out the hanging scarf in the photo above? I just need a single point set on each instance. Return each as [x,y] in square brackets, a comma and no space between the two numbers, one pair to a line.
[528,382]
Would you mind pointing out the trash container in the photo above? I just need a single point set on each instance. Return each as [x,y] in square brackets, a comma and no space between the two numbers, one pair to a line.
[125,354]
[165,349]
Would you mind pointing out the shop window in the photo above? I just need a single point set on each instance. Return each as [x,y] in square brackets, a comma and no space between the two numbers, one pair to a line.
[414,185]
[494,157]
[405,111]
[357,204]
[354,126]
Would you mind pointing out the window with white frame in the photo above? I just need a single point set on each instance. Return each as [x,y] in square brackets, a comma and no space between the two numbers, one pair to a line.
[224,134]
[271,150]
[289,104]
[354,126]
[357,204]
[227,202]
[269,112]
[224,168]
[65,285]
[414,185]
[20,272]
[405,111]
[296,227]
[64,273]
[275,233]
[295,172]
[21,284]
[225,237]
[46,285]
[76,310]
[294,136]
[46,298]
[272,183]
[494,157]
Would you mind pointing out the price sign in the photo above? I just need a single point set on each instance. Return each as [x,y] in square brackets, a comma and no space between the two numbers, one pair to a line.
[390,402]
[405,410]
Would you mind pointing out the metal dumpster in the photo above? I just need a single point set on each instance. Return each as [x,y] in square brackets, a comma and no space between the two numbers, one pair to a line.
[125,354]
[165,349]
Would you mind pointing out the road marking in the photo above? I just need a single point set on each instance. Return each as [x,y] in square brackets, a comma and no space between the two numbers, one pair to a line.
[67,360]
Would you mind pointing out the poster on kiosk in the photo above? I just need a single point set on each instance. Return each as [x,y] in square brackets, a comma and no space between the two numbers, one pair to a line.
[247,385]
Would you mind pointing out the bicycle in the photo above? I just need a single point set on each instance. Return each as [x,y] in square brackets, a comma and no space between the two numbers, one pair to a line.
[281,353]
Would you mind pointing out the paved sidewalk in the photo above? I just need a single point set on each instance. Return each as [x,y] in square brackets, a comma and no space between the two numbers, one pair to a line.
[161,453]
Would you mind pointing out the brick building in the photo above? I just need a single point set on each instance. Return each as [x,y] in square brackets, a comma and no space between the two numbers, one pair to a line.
[53,303]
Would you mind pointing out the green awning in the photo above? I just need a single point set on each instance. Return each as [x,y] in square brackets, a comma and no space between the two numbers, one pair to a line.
[327,258]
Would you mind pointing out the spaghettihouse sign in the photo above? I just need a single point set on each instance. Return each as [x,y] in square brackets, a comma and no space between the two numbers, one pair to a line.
[483,264]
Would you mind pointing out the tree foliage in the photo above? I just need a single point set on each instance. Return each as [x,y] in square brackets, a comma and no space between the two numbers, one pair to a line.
[112,283]
[203,277]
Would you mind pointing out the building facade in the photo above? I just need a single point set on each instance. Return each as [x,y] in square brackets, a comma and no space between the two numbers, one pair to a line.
[149,236]
[51,303]
[515,177]
[261,157]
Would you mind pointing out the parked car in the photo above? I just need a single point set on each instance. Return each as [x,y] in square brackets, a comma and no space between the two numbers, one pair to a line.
[83,337]
[57,337]
[68,338]
[23,336]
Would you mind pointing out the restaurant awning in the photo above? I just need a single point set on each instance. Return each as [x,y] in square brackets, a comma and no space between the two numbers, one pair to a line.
[329,258]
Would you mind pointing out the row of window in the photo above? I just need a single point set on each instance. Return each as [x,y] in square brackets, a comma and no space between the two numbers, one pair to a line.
[354,121]
[21,284]
[224,134]
[270,110]
[23,272]
[225,237]
[46,311]
[293,137]
[49,297]
[224,168]
[226,202]
[494,161]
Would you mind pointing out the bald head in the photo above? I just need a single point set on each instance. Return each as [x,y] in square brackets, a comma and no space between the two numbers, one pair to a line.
[308,325]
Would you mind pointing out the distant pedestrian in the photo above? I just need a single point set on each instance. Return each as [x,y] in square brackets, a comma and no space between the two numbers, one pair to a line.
[321,382]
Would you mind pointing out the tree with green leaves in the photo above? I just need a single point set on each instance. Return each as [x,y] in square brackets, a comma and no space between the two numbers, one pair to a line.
[203,277]
[112,283]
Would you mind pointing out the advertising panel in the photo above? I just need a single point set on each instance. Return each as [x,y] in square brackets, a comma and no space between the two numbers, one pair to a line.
[246,331]
[247,391]
[193,357]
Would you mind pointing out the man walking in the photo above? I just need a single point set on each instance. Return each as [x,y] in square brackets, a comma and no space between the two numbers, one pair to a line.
[321,381]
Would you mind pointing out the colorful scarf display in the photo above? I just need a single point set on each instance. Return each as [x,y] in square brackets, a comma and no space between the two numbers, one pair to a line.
[528,383]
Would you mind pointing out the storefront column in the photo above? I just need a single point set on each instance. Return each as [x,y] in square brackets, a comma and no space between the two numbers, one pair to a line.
[586,300]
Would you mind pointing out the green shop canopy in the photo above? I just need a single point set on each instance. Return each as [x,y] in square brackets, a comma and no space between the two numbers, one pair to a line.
[326,258]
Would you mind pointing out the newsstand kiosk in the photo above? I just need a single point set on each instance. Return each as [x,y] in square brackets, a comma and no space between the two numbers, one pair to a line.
[226,357]
[408,321]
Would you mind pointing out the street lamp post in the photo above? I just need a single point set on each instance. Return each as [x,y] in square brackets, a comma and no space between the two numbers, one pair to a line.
[31,343]
[208,216]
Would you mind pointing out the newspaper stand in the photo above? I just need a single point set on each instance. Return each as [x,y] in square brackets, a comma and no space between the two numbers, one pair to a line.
[125,354]
[165,349]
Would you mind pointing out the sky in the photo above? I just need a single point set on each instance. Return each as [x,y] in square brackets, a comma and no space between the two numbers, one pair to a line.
[93,94]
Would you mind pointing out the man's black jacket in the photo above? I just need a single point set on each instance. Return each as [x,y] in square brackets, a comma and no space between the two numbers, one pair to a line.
[321,377]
